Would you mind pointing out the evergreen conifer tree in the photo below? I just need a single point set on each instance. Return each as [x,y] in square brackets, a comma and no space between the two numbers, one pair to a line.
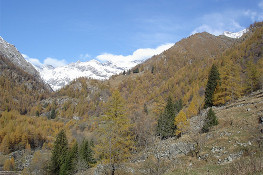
[178,106]
[152,71]
[135,71]
[86,153]
[213,79]
[69,167]
[53,114]
[211,120]
[59,153]
[165,126]
[145,109]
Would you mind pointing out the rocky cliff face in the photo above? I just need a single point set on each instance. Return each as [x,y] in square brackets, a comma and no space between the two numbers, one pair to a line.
[10,52]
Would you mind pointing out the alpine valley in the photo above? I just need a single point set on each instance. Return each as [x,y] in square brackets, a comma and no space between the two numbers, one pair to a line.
[195,108]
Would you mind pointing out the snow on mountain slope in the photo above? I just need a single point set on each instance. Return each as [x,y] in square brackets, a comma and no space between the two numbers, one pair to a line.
[60,76]
[236,34]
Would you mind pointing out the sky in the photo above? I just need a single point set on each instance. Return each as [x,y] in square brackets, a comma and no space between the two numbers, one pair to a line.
[59,32]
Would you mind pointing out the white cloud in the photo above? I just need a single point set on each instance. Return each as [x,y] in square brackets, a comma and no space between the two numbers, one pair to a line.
[120,60]
[33,61]
[48,61]
[253,15]
[207,28]
[260,5]
[139,54]
[217,23]
[54,62]
[84,56]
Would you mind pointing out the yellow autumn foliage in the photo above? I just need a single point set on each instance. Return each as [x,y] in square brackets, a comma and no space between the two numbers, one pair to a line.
[115,139]
[181,123]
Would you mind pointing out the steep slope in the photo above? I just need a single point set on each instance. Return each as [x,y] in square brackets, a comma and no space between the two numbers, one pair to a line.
[234,146]
[180,72]
[9,52]
[171,73]
[60,76]
[19,90]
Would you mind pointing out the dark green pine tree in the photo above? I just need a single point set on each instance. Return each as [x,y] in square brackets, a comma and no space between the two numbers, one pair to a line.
[145,109]
[212,82]
[63,170]
[211,120]
[135,71]
[72,160]
[86,153]
[53,114]
[165,126]
[59,153]
[69,167]
[178,106]
[152,71]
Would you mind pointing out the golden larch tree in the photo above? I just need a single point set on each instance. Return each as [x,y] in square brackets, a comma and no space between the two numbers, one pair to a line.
[181,123]
[115,140]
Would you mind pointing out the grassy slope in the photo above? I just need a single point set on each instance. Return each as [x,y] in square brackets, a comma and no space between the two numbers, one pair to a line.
[236,136]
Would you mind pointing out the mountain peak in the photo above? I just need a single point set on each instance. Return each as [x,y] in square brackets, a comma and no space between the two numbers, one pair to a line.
[61,76]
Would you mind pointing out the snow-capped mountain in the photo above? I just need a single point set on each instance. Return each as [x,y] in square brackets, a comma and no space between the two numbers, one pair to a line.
[236,34]
[60,76]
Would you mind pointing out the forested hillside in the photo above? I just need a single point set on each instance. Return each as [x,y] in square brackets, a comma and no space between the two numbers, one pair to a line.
[114,124]
[18,89]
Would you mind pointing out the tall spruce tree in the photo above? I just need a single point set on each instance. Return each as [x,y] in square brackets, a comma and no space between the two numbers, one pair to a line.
[212,82]
[211,120]
[178,106]
[165,126]
[69,167]
[86,153]
[59,153]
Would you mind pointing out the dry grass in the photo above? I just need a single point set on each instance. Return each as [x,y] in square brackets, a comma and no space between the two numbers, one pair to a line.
[251,165]
[238,131]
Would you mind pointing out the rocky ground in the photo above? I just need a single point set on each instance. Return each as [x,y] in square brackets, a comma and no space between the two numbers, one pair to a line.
[226,149]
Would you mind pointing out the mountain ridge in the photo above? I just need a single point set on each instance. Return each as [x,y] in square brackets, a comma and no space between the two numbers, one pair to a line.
[179,75]
[60,76]
[10,51]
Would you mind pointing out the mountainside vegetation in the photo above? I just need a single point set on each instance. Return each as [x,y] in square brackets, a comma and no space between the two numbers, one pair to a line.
[166,115]
[18,89]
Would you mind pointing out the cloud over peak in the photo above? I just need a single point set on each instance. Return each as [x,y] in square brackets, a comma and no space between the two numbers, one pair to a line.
[119,60]
[139,54]
[48,61]
[217,23]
